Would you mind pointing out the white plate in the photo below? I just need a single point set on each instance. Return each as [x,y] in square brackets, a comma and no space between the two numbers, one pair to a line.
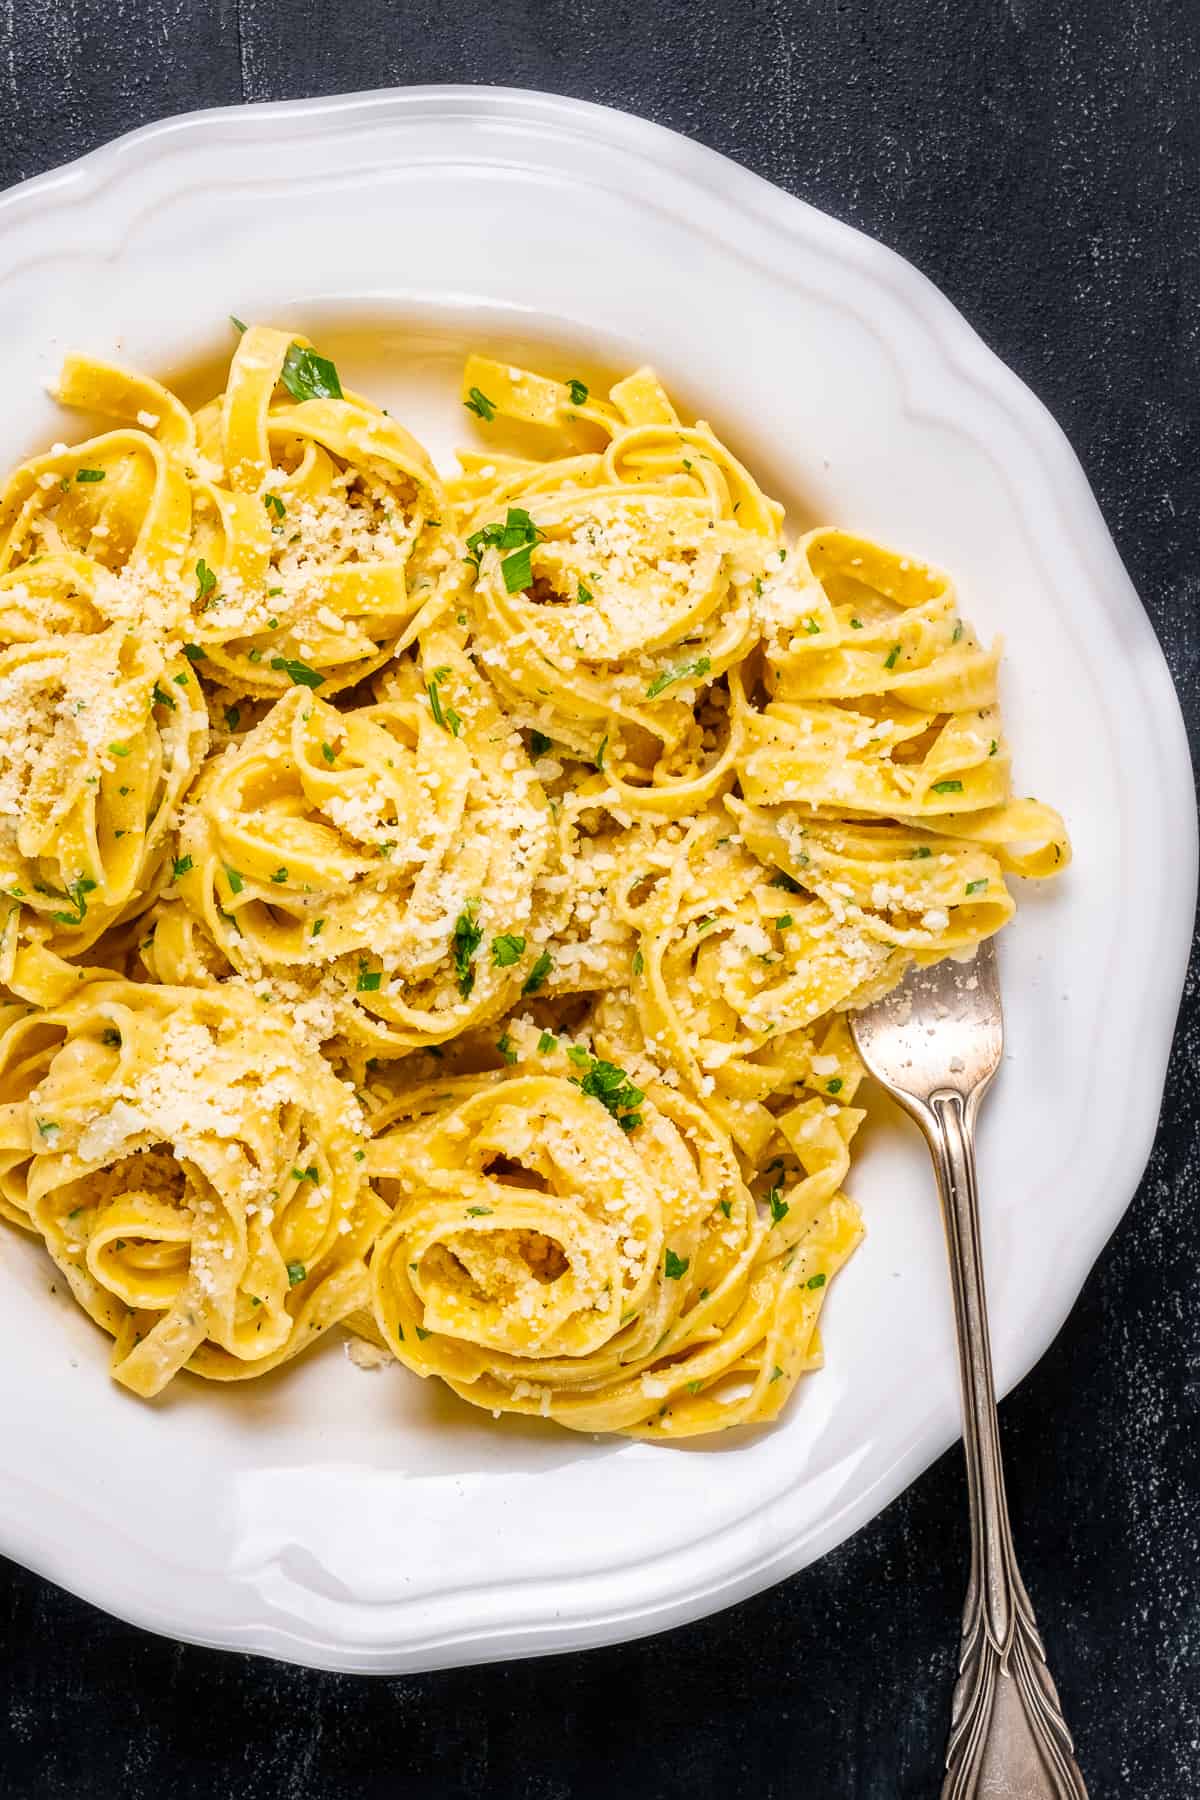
[371,1522]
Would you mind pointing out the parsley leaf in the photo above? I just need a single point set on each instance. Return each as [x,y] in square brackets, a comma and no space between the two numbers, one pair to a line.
[206,581]
[298,672]
[538,973]
[478,403]
[86,475]
[180,866]
[603,1081]
[296,1273]
[578,392]
[368,979]
[675,1266]
[517,571]
[778,1205]
[507,950]
[947,787]
[465,942]
[539,743]
[307,376]
[681,672]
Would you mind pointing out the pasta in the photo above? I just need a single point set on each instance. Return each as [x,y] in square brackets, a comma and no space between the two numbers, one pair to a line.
[432,905]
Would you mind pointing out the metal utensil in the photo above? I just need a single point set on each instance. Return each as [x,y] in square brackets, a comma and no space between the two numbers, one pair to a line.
[934,1043]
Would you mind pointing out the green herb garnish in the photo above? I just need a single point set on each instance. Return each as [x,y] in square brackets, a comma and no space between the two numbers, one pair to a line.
[307,376]
[465,942]
[298,672]
[538,973]
[681,672]
[478,403]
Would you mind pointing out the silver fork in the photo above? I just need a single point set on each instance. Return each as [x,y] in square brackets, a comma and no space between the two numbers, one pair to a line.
[934,1043]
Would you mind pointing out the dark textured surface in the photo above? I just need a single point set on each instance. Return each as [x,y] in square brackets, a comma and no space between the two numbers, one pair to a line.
[1039,160]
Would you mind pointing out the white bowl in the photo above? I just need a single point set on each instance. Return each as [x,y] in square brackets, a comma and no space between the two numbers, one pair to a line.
[371,1522]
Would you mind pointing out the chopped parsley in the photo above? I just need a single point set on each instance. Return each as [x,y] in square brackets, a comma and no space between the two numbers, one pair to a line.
[275,505]
[675,1266]
[547,1042]
[504,1046]
[778,1205]
[977,887]
[507,950]
[368,979]
[237,323]
[947,787]
[815,1281]
[611,1086]
[236,884]
[583,595]
[680,672]
[86,475]
[307,376]
[298,672]
[784,921]
[478,403]
[328,752]
[538,973]
[296,1273]
[920,851]
[160,697]
[446,716]
[180,866]
[889,661]
[77,892]
[578,392]
[465,942]
[639,962]
[517,570]
[785,881]
[834,1086]
[194,653]
[206,581]
[481,1212]
[539,743]
[318,926]
[119,749]
[279,877]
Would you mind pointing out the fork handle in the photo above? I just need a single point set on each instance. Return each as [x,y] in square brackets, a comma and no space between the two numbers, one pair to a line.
[1008,1738]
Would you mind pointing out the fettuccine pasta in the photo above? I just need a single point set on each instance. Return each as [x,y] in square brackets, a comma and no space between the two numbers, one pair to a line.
[432,904]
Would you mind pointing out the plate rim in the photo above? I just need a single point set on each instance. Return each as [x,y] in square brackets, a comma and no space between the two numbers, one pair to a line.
[968,360]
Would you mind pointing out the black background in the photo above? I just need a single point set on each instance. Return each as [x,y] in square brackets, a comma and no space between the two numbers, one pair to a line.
[1040,161]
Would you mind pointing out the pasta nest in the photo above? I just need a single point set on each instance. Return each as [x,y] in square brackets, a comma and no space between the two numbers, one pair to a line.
[375,861]
[102,726]
[195,1173]
[319,531]
[566,1244]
